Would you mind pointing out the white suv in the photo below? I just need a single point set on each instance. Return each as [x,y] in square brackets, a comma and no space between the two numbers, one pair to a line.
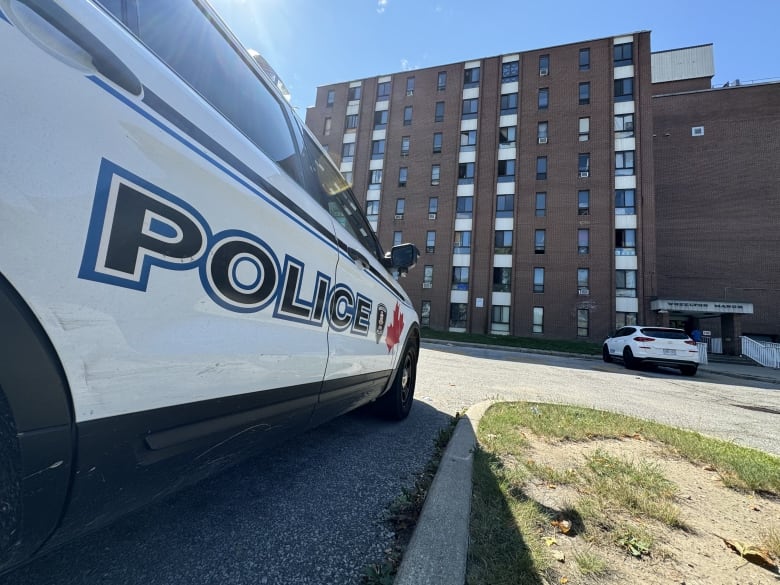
[184,275]
[636,344]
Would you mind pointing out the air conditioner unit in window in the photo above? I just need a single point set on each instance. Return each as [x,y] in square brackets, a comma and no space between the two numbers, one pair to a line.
[583,291]
[543,71]
[584,174]
[431,216]
[404,153]
[409,92]
[427,284]
[542,140]
[399,215]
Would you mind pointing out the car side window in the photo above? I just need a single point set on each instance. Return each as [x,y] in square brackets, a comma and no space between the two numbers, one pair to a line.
[182,36]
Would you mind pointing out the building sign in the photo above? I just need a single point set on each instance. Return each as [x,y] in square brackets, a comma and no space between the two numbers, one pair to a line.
[702,306]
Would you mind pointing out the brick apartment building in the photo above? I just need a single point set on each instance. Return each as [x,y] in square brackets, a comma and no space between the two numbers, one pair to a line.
[527,182]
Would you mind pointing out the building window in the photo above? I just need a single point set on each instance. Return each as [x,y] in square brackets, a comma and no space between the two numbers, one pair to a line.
[460,278]
[499,319]
[502,279]
[583,278]
[430,242]
[347,152]
[539,242]
[510,72]
[544,65]
[583,202]
[465,173]
[405,143]
[383,91]
[584,59]
[464,207]
[623,319]
[625,283]
[583,241]
[397,238]
[377,149]
[506,171]
[584,129]
[538,280]
[541,168]
[468,140]
[437,141]
[541,204]
[410,86]
[503,242]
[624,162]
[372,210]
[425,314]
[441,82]
[354,93]
[508,103]
[625,242]
[328,124]
[433,207]
[624,54]
[331,97]
[471,77]
[380,120]
[507,136]
[439,114]
[541,132]
[625,202]
[583,164]
[375,179]
[435,174]
[624,126]
[403,174]
[348,177]
[505,206]
[400,205]
[583,321]
[351,121]
[624,89]
[407,115]
[584,93]
[543,98]
[538,324]
[462,244]
[428,274]
[458,315]
[470,108]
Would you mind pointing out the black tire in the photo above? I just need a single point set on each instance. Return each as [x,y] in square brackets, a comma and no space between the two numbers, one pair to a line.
[629,360]
[605,354]
[689,370]
[396,403]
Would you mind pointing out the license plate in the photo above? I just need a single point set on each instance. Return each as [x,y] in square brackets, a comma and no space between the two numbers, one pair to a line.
[669,352]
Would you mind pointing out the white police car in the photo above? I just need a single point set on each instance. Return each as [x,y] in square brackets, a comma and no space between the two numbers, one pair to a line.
[184,276]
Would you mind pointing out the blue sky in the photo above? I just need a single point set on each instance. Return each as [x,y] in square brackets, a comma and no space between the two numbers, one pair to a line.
[317,42]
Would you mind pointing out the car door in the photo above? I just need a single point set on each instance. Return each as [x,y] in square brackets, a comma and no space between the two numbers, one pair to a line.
[617,342]
[161,232]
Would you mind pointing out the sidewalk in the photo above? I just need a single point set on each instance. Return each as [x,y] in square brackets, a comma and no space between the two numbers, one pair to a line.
[438,551]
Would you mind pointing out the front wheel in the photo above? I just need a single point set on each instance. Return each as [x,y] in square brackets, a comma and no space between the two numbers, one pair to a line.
[605,354]
[397,402]
[629,360]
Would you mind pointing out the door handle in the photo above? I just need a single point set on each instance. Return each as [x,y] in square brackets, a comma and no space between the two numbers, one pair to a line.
[104,61]
[359,258]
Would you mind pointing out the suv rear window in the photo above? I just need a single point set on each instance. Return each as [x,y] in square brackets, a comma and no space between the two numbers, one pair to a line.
[665,333]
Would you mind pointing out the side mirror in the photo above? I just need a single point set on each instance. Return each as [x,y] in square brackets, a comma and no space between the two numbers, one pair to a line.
[403,257]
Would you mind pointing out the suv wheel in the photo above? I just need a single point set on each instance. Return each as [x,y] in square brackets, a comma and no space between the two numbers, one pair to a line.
[629,360]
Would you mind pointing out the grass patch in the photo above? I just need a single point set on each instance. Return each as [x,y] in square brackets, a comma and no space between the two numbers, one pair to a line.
[622,505]
[578,347]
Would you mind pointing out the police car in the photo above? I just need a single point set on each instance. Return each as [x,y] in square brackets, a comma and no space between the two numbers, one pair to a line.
[184,275]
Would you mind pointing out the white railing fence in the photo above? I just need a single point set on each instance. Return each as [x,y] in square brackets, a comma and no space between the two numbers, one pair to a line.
[766,354]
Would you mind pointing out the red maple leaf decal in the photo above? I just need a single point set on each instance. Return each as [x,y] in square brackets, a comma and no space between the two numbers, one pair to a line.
[395,328]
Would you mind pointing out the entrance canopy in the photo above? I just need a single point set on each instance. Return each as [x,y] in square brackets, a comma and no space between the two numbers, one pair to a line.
[702,309]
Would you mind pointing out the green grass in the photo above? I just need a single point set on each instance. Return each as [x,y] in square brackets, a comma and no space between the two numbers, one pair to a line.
[620,500]
[578,347]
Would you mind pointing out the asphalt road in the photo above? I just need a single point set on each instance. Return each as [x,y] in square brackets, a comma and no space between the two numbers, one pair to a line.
[311,511]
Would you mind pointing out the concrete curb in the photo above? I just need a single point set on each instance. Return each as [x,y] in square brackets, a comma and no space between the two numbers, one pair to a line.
[438,551]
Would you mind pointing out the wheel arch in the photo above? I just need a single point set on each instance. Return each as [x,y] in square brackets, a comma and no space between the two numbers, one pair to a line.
[38,431]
